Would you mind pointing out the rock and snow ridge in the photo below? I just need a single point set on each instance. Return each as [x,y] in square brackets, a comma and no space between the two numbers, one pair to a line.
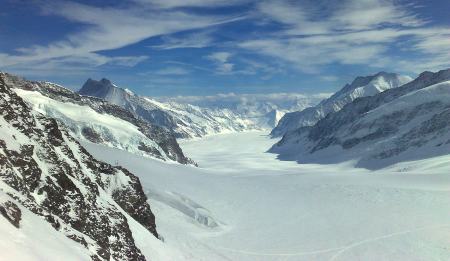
[183,120]
[264,110]
[410,122]
[48,180]
[360,87]
[98,121]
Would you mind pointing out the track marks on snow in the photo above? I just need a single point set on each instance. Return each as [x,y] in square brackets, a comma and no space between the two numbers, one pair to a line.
[340,250]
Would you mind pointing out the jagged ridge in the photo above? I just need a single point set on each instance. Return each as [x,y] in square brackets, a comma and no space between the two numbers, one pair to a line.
[147,139]
[48,172]
[360,87]
[184,120]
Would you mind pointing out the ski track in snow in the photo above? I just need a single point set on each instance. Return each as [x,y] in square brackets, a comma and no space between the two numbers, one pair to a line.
[369,240]
[340,250]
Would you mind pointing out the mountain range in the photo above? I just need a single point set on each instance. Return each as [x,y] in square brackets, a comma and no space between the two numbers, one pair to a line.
[406,123]
[95,120]
[183,120]
[66,204]
[265,110]
[195,116]
[361,86]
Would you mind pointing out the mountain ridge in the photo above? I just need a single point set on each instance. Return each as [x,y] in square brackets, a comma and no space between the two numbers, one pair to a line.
[361,86]
[46,171]
[183,120]
[378,130]
[97,123]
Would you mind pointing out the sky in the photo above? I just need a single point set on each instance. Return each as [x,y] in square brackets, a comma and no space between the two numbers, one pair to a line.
[207,47]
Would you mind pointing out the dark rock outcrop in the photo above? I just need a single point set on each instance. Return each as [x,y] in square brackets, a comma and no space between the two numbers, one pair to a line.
[11,212]
[48,172]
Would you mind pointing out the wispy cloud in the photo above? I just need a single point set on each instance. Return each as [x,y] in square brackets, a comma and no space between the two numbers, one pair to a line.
[191,3]
[348,32]
[193,40]
[222,61]
[108,28]
[226,99]
[172,71]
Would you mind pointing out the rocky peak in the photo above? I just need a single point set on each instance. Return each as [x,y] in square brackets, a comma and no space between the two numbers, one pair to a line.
[101,88]
[48,172]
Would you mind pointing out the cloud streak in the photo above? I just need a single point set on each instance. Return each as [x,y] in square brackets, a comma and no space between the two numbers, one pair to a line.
[108,28]
[351,32]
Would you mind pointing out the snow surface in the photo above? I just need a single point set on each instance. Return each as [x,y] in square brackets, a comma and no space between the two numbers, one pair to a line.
[36,239]
[244,204]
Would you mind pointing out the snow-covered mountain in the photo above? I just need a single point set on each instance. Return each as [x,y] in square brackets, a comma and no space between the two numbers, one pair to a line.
[265,110]
[94,120]
[360,87]
[184,120]
[405,123]
[57,202]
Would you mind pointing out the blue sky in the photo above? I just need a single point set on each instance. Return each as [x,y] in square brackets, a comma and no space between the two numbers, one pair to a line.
[205,47]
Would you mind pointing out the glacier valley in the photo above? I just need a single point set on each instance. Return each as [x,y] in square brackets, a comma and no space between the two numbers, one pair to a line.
[244,204]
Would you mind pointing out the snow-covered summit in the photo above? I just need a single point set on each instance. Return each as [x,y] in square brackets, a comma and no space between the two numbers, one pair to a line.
[184,120]
[95,120]
[361,86]
[410,122]
[105,89]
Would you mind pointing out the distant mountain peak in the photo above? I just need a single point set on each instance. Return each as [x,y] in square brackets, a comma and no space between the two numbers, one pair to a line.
[361,86]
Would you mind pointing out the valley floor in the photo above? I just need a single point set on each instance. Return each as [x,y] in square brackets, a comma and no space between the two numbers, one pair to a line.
[244,204]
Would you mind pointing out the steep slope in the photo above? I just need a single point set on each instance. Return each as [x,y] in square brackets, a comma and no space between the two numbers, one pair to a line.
[406,123]
[360,87]
[184,120]
[97,121]
[47,177]
[263,109]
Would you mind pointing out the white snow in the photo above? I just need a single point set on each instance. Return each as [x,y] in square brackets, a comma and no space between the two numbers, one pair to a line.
[360,87]
[114,132]
[263,109]
[36,239]
[265,209]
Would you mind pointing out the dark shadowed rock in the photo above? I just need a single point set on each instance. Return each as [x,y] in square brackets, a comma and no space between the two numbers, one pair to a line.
[11,212]
[54,177]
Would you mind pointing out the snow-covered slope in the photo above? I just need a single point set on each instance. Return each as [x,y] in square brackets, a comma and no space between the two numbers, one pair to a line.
[98,121]
[264,110]
[184,120]
[57,202]
[411,122]
[360,87]
[271,210]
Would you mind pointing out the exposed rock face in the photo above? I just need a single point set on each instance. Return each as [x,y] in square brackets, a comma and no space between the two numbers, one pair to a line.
[360,87]
[406,123]
[11,212]
[162,143]
[47,171]
[183,120]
